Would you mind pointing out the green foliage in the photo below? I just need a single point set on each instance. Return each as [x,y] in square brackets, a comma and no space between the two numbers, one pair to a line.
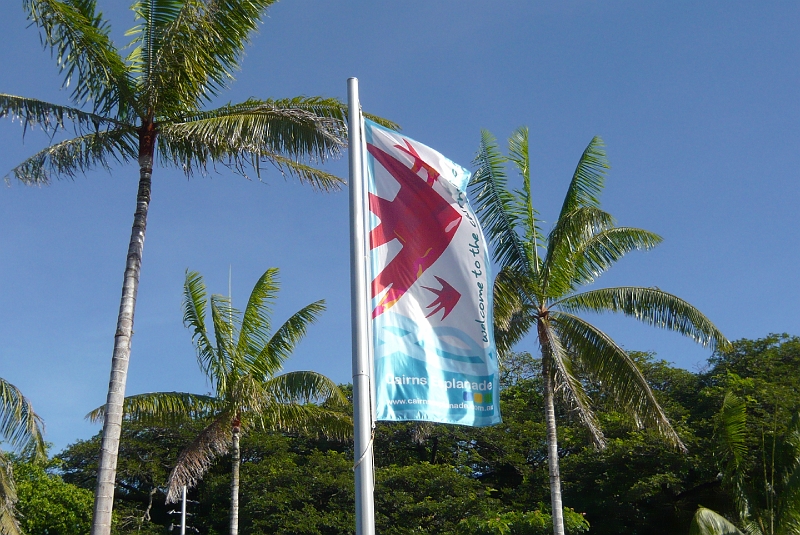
[147,455]
[448,479]
[763,373]
[287,488]
[426,498]
[522,523]
[21,428]
[766,505]
[47,504]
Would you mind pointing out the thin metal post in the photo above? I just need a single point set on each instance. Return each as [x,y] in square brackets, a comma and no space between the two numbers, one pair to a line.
[363,467]
[183,511]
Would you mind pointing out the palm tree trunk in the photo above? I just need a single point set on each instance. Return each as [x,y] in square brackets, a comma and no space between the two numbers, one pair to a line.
[552,446]
[112,424]
[235,482]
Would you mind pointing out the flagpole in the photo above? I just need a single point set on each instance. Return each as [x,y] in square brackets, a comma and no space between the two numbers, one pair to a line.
[362,414]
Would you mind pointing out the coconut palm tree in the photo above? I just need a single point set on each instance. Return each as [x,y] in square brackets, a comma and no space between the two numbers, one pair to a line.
[151,104]
[768,504]
[21,428]
[242,361]
[538,291]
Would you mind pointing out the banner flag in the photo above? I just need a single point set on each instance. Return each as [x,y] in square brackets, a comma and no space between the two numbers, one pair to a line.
[431,309]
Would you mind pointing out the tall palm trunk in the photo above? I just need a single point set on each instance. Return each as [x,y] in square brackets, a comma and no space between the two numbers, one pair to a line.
[235,481]
[552,438]
[112,423]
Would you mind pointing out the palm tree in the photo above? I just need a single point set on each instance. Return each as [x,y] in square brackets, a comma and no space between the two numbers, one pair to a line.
[183,54]
[538,289]
[768,504]
[22,429]
[242,362]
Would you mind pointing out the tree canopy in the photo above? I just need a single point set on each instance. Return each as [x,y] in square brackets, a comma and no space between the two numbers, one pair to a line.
[496,476]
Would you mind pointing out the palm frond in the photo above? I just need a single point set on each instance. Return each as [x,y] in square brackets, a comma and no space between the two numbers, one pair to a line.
[514,314]
[284,340]
[9,524]
[163,408]
[313,126]
[605,361]
[192,55]
[588,180]
[20,426]
[596,255]
[731,429]
[708,522]
[651,306]
[226,320]
[789,512]
[496,206]
[79,39]
[308,419]
[376,119]
[152,17]
[753,527]
[731,448]
[567,383]
[194,310]
[792,479]
[304,387]
[51,118]
[570,233]
[318,179]
[518,154]
[331,114]
[302,127]
[77,155]
[197,457]
[256,322]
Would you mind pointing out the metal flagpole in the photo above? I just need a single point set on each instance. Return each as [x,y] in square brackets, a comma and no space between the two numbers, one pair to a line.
[367,282]
[183,511]
[362,373]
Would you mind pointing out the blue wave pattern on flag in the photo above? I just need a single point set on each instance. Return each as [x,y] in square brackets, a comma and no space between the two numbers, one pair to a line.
[431,298]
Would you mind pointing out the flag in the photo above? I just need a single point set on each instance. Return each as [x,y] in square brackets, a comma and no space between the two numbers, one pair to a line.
[431,293]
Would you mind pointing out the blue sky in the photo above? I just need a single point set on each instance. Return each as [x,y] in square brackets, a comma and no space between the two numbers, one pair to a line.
[697,103]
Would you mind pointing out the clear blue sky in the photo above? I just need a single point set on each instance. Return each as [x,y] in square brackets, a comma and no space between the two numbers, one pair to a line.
[697,102]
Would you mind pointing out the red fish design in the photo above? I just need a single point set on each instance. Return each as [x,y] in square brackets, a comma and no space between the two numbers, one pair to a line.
[446,298]
[421,219]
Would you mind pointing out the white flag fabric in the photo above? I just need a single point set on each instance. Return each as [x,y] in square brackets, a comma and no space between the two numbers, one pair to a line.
[431,292]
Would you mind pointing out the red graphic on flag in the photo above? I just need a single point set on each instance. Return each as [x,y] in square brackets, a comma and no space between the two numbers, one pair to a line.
[419,218]
[446,298]
[419,163]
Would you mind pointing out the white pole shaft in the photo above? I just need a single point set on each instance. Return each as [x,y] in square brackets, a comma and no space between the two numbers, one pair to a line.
[183,511]
[368,283]
[365,485]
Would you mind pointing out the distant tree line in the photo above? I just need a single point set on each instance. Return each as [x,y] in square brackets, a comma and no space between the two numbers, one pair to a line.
[448,479]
